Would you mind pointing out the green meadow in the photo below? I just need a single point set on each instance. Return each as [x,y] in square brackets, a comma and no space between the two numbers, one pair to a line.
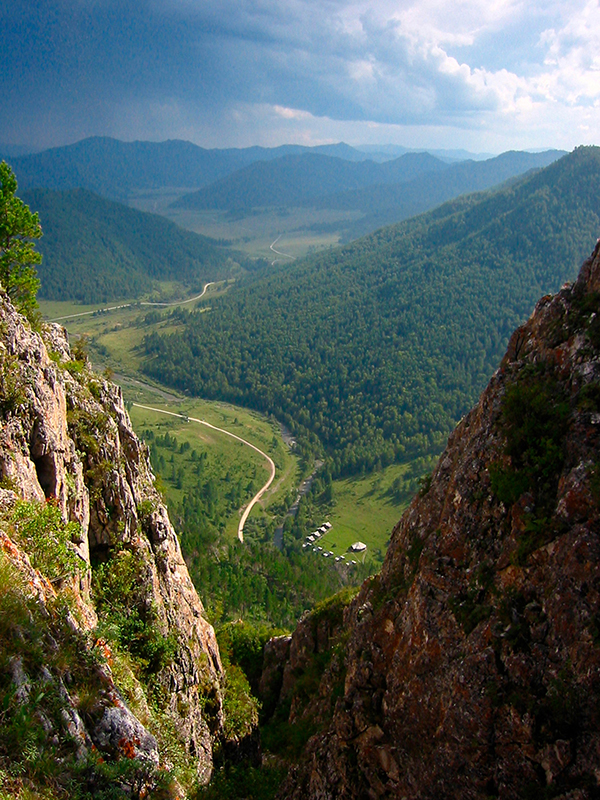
[302,230]
[363,508]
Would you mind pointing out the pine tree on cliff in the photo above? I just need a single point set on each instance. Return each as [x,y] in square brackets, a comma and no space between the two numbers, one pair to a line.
[18,256]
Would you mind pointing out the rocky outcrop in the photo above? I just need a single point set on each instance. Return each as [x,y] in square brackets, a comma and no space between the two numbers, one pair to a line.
[65,438]
[473,660]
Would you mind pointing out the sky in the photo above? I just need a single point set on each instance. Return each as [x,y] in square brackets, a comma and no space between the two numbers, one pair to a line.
[484,75]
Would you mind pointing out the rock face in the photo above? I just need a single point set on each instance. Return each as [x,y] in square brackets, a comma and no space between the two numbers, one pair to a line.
[65,437]
[473,660]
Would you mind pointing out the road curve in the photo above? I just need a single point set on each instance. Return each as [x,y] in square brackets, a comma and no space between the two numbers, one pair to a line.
[260,493]
[279,253]
[130,305]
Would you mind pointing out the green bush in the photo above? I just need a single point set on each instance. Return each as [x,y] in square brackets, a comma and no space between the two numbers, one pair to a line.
[508,484]
[333,607]
[244,783]
[12,390]
[240,708]
[47,538]
[119,590]
[534,418]
[87,428]
[242,643]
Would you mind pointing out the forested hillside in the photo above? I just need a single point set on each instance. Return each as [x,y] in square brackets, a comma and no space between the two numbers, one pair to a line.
[374,351]
[386,204]
[298,179]
[95,250]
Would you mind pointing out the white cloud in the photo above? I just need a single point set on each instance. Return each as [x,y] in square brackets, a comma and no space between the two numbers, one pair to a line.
[572,60]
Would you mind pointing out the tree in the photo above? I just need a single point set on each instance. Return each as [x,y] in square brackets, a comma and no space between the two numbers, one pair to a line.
[18,256]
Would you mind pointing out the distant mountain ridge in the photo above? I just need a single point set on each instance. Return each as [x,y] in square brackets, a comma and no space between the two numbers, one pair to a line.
[115,169]
[389,204]
[376,151]
[385,193]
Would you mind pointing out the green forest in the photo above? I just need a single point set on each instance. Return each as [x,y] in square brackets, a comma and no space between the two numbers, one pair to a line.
[95,250]
[372,352]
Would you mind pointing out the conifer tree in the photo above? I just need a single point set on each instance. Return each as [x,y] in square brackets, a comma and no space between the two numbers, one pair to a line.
[18,256]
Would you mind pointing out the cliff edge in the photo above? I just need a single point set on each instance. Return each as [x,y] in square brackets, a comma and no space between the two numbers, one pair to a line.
[99,612]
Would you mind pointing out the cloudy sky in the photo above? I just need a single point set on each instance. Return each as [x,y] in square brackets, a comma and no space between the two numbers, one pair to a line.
[486,75]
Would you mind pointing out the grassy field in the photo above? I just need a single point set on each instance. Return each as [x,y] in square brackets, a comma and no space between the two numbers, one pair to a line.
[232,471]
[363,508]
[254,231]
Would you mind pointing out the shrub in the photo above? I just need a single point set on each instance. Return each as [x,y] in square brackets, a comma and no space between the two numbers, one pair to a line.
[240,708]
[12,391]
[47,538]
[119,588]
[243,644]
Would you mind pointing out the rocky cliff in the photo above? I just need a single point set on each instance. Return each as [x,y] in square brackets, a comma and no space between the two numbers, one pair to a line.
[88,551]
[472,662]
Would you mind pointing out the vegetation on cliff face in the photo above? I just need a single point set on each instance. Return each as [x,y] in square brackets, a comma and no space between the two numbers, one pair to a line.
[111,678]
[54,685]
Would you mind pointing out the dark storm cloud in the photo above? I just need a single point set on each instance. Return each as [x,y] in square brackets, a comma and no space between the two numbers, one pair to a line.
[79,63]
[158,68]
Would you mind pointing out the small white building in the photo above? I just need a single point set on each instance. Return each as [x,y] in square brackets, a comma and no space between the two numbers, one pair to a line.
[358,547]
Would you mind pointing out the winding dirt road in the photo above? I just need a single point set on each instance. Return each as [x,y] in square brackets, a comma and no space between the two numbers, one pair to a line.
[260,493]
[130,305]
[279,253]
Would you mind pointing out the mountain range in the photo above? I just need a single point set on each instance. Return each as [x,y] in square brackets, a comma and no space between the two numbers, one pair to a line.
[293,180]
[383,193]
[116,169]
[364,190]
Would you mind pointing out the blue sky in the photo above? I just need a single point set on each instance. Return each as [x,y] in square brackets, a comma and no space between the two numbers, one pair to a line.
[486,75]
